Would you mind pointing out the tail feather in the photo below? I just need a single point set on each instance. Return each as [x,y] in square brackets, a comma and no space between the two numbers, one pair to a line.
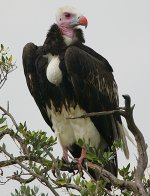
[128,136]
[122,136]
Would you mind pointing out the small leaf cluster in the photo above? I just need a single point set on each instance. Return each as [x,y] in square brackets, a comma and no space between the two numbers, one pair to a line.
[64,180]
[98,156]
[37,141]
[5,60]
[6,64]
[90,187]
[126,173]
[27,191]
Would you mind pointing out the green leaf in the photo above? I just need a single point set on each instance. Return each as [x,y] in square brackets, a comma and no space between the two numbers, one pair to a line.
[80,142]
[3,59]
[36,189]
[16,191]
[3,128]
[2,47]
[77,180]
[4,146]
[61,182]
[2,120]
[10,59]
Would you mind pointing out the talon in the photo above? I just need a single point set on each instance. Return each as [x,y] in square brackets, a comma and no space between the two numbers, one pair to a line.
[64,160]
[86,165]
[53,170]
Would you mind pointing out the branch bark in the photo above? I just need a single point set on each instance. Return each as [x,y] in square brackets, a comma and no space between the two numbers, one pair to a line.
[142,160]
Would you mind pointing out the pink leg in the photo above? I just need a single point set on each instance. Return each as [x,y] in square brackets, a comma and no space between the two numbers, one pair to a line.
[80,161]
[65,154]
[82,157]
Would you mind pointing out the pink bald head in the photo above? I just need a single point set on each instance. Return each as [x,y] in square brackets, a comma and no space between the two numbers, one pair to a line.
[68,18]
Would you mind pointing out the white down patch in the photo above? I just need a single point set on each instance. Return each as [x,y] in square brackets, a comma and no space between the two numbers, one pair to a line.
[69,131]
[53,72]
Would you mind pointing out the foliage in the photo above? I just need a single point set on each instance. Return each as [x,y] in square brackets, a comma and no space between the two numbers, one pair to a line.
[27,191]
[6,64]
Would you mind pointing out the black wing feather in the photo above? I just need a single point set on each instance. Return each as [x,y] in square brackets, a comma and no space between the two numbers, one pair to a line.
[30,58]
[94,86]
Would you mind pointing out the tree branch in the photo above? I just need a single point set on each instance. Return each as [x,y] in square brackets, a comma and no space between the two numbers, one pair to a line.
[86,115]
[21,180]
[142,160]
[39,177]
[109,177]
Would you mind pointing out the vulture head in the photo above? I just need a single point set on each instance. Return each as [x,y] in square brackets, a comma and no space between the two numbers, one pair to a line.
[68,18]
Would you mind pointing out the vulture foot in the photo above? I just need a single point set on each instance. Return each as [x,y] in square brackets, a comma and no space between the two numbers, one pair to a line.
[80,162]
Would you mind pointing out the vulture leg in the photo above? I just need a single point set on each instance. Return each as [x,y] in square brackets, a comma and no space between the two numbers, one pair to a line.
[82,157]
[65,154]
[80,160]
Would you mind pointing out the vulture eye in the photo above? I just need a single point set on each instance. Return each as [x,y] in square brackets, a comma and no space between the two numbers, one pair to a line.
[67,15]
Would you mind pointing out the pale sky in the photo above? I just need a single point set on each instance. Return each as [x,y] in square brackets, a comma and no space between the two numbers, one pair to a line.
[118,30]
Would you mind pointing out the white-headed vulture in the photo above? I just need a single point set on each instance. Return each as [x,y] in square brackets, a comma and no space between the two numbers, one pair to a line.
[67,78]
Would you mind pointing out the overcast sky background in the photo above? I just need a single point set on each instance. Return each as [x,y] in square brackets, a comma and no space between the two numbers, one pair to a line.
[118,30]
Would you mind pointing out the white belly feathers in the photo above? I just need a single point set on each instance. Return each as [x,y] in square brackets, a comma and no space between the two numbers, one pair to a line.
[53,72]
[69,131]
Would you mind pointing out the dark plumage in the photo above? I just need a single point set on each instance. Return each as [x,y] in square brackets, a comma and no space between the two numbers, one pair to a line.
[70,80]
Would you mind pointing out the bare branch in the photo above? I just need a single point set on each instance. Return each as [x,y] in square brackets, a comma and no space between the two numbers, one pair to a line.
[21,180]
[86,115]
[141,146]
[4,132]
[13,161]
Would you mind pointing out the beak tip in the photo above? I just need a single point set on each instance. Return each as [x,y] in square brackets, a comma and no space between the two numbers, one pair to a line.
[83,21]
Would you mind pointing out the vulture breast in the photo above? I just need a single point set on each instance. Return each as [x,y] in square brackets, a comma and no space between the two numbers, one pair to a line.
[53,73]
[69,131]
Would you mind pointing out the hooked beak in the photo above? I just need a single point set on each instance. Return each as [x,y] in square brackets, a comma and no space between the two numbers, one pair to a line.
[81,20]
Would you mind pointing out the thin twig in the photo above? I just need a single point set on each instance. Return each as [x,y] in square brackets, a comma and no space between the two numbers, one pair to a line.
[10,116]
[94,114]
[21,180]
